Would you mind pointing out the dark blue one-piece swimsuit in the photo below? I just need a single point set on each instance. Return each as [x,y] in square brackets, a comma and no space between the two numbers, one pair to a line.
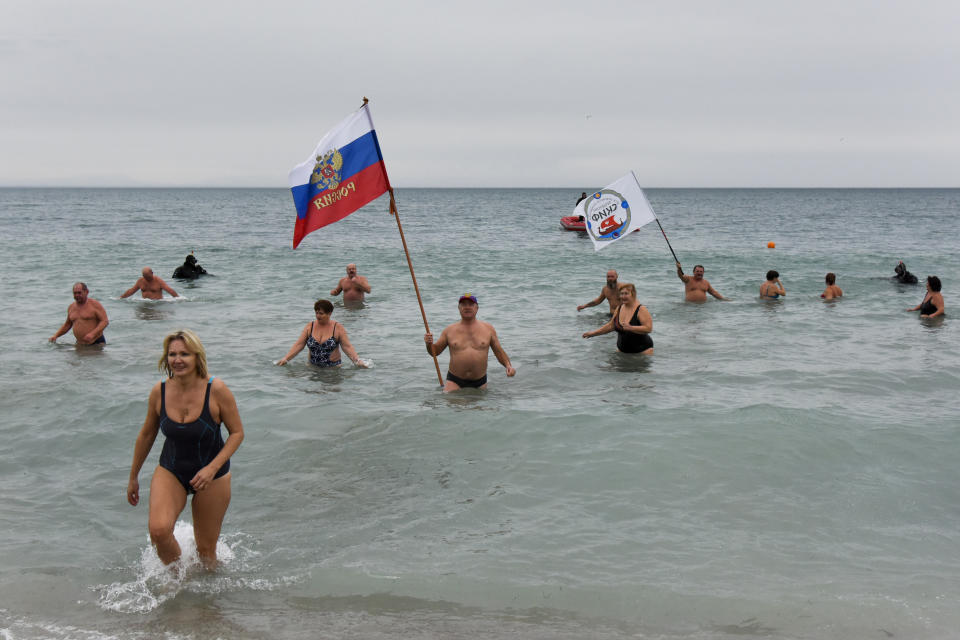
[189,446]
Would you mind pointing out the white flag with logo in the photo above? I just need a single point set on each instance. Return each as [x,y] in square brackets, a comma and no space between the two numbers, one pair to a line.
[615,211]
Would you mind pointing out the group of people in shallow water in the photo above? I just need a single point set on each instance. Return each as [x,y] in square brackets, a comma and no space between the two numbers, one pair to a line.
[633,323]
[190,406]
[88,318]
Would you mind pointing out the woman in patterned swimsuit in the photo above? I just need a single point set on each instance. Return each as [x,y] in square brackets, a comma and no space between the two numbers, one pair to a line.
[324,338]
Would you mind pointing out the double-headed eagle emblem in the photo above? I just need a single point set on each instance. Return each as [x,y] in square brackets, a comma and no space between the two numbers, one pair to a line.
[326,172]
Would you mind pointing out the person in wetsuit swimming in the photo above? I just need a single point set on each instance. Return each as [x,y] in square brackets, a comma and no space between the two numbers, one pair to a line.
[190,269]
[323,338]
[932,305]
[195,459]
[632,322]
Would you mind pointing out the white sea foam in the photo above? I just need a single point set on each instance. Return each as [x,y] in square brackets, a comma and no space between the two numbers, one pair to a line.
[155,583]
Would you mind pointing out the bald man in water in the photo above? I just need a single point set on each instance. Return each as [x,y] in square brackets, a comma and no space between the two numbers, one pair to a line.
[608,293]
[353,286]
[150,286]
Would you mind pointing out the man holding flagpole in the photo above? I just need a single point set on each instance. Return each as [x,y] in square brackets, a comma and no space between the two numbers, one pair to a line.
[470,342]
[697,287]
[345,172]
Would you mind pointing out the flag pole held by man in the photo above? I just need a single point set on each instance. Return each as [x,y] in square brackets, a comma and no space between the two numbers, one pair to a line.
[345,172]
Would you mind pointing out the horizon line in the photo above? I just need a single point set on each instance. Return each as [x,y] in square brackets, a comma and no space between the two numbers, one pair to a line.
[222,187]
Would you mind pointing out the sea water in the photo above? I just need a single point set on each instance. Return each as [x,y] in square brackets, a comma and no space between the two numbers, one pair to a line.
[781,469]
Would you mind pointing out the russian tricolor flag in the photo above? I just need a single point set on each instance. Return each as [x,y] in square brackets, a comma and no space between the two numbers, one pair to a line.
[345,172]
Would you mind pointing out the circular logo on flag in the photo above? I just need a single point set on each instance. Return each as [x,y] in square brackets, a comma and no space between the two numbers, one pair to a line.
[607,215]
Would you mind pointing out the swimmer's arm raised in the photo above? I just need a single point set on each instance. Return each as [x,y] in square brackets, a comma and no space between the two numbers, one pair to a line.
[222,400]
[363,283]
[141,449]
[681,274]
[297,346]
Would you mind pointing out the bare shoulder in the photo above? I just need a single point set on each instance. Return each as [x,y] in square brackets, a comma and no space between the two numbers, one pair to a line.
[154,400]
[220,389]
[96,303]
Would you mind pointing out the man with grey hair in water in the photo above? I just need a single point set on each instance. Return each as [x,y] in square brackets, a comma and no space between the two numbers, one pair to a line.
[86,316]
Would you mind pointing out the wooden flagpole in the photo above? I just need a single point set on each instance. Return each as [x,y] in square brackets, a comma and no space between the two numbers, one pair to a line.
[396,215]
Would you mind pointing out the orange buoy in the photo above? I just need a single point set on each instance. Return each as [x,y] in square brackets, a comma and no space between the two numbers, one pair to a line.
[771,245]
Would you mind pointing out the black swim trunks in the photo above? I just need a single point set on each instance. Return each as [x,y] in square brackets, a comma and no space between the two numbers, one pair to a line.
[470,384]
[100,340]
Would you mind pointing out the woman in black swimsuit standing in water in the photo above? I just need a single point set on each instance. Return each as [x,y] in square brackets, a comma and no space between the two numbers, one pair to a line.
[189,408]
[932,305]
[632,322]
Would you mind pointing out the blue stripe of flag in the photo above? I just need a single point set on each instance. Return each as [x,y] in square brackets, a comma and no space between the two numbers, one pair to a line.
[357,156]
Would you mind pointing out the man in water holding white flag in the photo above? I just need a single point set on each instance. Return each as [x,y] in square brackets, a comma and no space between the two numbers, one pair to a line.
[615,211]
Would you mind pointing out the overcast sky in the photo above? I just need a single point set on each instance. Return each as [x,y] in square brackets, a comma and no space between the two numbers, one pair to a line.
[528,94]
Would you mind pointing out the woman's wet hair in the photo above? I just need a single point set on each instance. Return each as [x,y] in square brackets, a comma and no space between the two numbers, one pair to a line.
[831,278]
[629,286]
[323,305]
[934,283]
[194,346]
[772,274]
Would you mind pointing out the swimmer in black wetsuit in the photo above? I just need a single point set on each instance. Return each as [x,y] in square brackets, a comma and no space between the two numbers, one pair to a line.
[932,304]
[195,459]
[634,336]
[190,269]
[902,275]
